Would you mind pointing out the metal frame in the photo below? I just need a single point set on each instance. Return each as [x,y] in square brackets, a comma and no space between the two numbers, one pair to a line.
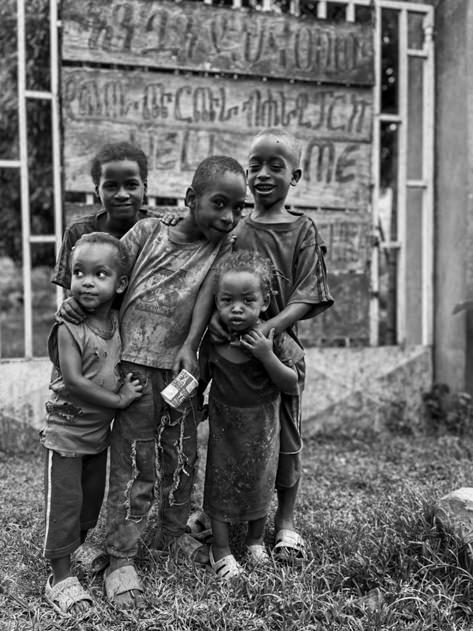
[51,95]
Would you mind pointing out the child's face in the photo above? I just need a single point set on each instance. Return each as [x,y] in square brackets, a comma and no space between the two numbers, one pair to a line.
[96,275]
[271,170]
[240,300]
[218,209]
[121,189]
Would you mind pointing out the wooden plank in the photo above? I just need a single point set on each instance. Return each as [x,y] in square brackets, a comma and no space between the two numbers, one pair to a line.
[194,36]
[347,322]
[180,120]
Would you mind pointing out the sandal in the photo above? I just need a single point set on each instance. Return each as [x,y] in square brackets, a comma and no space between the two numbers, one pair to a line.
[120,581]
[199,525]
[64,595]
[257,554]
[225,568]
[289,547]
[91,558]
[194,550]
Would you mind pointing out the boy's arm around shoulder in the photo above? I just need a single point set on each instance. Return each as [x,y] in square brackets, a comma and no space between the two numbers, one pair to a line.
[70,363]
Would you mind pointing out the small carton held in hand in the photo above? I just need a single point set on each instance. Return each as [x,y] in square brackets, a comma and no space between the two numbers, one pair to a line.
[180,389]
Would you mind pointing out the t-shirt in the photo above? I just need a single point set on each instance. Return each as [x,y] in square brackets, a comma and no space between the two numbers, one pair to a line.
[295,249]
[74,426]
[157,307]
[78,227]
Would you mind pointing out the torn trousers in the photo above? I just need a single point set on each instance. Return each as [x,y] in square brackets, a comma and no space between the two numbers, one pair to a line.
[151,443]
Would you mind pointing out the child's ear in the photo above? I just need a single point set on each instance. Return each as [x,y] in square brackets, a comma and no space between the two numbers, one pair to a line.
[190,198]
[267,300]
[296,176]
[122,284]
[97,191]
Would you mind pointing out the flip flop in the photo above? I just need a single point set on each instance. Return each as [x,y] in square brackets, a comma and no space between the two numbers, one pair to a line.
[64,595]
[289,547]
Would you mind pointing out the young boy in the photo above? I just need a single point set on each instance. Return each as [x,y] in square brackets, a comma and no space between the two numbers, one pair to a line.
[119,172]
[157,317]
[86,392]
[292,243]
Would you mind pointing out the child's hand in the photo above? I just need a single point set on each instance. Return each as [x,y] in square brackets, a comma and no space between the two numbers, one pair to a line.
[218,334]
[71,311]
[171,219]
[257,344]
[186,359]
[129,391]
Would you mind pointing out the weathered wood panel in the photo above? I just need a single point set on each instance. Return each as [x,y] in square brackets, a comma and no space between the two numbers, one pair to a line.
[347,322]
[195,36]
[179,120]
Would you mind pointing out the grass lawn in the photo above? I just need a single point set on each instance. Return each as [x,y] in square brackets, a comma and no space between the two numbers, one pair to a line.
[378,560]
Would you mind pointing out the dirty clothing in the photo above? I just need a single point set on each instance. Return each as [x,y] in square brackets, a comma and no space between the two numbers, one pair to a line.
[74,490]
[150,439]
[149,435]
[296,251]
[74,426]
[78,227]
[244,429]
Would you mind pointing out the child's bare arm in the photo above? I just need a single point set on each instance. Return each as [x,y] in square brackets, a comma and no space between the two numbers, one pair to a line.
[70,363]
[284,377]
[291,314]
[187,355]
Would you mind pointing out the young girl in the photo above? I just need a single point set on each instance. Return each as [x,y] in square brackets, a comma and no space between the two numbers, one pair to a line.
[86,391]
[248,374]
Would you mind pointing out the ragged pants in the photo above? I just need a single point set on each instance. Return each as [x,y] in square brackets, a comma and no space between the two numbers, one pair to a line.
[151,442]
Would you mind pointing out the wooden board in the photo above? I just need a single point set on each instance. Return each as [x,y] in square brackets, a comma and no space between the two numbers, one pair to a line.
[179,120]
[194,36]
[347,322]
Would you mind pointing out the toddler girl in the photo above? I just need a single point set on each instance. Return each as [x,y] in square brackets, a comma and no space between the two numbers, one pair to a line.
[248,373]
[86,391]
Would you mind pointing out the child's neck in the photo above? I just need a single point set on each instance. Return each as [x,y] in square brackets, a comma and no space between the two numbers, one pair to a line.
[116,228]
[272,214]
[101,318]
[186,230]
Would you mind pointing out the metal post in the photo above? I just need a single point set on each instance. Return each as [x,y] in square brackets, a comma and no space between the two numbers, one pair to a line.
[24,185]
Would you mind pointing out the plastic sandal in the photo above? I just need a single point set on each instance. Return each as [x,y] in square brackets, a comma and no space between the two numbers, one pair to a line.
[65,594]
[120,581]
[257,554]
[199,525]
[225,568]
[91,558]
[289,547]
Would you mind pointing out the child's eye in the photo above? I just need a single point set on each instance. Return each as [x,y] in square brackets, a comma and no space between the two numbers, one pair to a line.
[77,272]
[219,204]
[102,275]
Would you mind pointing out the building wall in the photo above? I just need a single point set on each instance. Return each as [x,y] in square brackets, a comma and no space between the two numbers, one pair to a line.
[453,359]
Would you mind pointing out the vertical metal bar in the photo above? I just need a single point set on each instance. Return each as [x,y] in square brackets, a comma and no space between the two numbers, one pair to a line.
[350,12]
[322,9]
[402,176]
[428,175]
[55,124]
[375,175]
[24,185]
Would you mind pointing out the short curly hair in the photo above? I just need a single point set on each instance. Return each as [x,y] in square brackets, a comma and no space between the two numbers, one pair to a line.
[118,151]
[246,261]
[213,166]
[104,238]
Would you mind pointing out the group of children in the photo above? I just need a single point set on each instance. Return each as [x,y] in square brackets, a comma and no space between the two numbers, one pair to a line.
[260,274]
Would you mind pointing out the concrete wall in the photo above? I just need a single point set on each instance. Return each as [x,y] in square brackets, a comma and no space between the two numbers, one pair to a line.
[346,389]
[453,358]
